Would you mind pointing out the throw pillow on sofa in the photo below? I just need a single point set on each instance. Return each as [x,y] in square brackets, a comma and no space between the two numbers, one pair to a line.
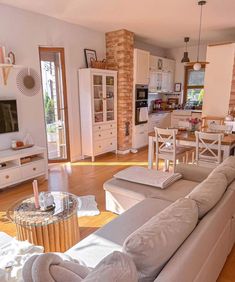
[227,168]
[53,267]
[117,267]
[151,177]
[58,267]
[208,193]
[152,245]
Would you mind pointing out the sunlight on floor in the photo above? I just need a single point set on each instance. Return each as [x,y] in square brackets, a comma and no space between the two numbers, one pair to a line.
[107,163]
[95,221]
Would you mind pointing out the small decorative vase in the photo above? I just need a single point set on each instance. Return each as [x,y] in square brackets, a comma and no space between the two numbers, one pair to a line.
[193,127]
[46,201]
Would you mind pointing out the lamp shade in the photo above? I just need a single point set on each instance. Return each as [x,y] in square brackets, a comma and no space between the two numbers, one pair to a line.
[185,58]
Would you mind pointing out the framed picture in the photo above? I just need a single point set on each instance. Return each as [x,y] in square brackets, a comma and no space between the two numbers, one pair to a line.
[88,55]
[159,64]
[177,87]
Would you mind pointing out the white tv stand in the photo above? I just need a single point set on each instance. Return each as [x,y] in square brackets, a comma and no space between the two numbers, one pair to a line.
[15,171]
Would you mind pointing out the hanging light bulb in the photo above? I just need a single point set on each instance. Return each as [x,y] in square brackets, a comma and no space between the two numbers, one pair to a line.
[185,58]
[197,66]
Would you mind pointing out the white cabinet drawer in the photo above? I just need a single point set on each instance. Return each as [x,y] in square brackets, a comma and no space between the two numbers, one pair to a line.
[32,169]
[141,139]
[104,126]
[9,176]
[105,145]
[98,135]
[140,128]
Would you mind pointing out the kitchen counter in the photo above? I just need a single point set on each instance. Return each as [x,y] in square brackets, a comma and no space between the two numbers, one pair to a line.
[160,112]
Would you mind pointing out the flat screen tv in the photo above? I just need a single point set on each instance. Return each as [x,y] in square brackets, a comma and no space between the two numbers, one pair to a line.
[8,116]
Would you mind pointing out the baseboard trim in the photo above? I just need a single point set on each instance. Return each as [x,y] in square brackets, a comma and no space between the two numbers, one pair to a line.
[76,159]
[123,152]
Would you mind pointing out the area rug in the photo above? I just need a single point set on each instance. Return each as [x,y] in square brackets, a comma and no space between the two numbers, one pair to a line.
[87,206]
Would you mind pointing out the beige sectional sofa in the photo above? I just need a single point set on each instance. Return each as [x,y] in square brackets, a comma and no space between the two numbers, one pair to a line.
[201,254]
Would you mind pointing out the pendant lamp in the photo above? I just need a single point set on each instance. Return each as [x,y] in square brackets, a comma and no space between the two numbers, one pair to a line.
[185,58]
[198,64]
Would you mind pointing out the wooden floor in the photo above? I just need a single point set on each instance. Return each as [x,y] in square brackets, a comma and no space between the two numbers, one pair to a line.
[86,178]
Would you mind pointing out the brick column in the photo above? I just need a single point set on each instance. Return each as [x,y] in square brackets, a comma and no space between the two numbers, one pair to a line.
[232,93]
[119,56]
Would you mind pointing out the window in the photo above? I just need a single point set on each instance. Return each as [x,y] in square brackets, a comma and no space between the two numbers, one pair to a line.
[194,87]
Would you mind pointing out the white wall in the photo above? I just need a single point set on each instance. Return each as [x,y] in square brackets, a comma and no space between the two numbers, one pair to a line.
[154,50]
[23,32]
[177,54]
[218,80]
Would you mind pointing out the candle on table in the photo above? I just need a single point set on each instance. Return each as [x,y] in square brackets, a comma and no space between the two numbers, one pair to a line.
[35,192]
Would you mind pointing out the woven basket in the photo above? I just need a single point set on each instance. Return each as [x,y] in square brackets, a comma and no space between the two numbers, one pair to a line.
[98,64]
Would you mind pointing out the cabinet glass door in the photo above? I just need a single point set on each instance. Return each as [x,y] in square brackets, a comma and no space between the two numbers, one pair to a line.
[110,98]
[98,98]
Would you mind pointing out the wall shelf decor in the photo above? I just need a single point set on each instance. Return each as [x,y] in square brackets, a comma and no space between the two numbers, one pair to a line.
[28,81]
[6,69]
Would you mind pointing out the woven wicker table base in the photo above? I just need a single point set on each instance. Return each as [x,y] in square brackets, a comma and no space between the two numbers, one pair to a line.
[54,237]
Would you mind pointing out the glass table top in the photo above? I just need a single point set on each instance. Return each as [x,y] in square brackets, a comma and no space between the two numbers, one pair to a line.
[24,212]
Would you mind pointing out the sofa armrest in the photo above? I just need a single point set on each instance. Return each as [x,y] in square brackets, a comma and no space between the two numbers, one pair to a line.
[193,172]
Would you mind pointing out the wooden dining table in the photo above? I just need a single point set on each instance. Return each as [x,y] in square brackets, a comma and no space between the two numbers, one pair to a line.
[186,138]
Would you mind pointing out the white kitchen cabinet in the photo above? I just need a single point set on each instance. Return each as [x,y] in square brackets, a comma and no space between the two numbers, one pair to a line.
[153,63]
[162,120]
[155,81]
[140,136]
[141,67]
[161,80]
[98,110]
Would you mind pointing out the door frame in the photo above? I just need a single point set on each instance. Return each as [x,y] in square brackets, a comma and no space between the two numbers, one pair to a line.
[63,74]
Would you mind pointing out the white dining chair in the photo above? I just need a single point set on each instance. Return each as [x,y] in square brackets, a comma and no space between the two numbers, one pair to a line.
[220,128]
[208,148]
[207,120]
[167,149]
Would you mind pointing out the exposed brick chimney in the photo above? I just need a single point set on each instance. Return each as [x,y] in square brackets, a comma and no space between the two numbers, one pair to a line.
[232,93]
[119,56]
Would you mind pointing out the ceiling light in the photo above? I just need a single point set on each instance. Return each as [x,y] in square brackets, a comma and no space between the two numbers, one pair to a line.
[185,58]
[198,64]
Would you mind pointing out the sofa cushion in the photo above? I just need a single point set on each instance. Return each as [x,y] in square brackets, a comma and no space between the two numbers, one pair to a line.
[151,177]
[228,171]
[91,250]
[209,192]
[177,190]
[230,161]
[117,267]
[154,243]
[200,258]
[193,172]
[227,168]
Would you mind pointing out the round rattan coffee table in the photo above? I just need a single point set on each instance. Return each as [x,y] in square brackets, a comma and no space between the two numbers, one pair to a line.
[56,230]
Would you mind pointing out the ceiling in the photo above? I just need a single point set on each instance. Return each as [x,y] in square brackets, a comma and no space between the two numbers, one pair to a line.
[159,22]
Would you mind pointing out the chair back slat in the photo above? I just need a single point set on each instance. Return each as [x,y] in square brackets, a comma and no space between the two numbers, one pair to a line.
[208,151]
[225,128]
[207,120]
[165,140]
